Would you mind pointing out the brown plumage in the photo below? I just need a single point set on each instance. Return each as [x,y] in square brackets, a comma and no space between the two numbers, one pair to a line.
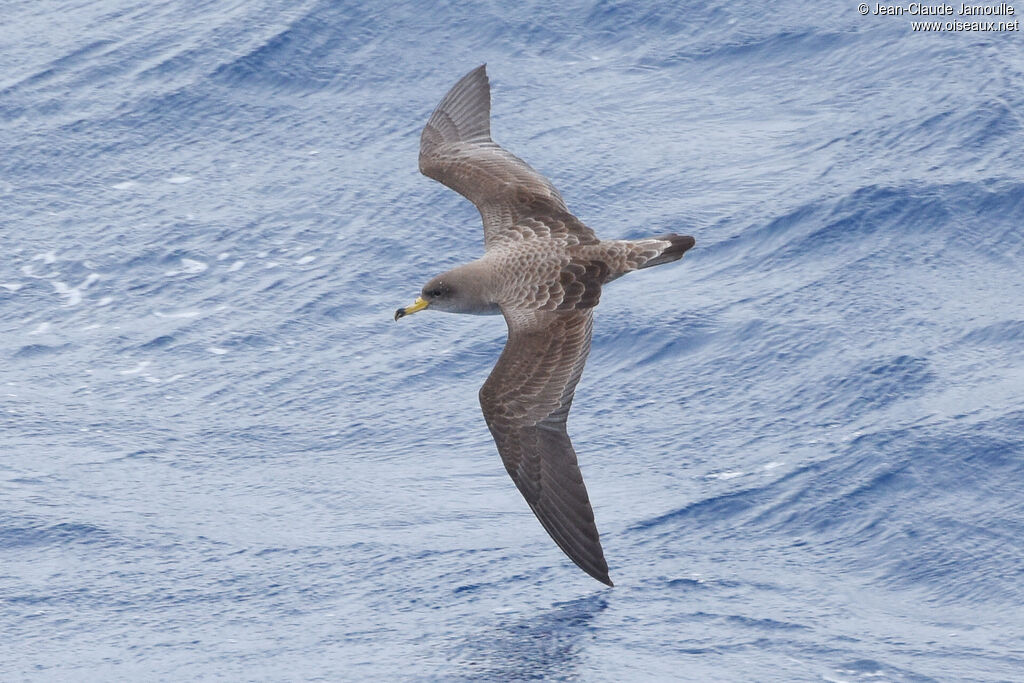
[543,269]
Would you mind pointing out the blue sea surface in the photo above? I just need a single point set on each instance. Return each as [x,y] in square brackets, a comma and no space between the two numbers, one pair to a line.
[220,457]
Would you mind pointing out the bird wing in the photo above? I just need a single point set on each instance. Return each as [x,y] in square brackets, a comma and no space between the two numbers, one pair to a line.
[526,401]
[514,200]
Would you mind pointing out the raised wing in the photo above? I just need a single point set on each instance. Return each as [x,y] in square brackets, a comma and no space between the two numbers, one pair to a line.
[514,200]
[526,401]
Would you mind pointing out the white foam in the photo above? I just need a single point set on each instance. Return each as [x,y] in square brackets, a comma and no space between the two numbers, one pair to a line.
[48,257]
[105,301]
[724,475]
[178,314]
[43,328]
[237,265]
[224,255]
[217,350]
[27,271]
[126,185]
[11,286]
[137,369]
[179,179]
[74,294]
[306,259]
[188,267]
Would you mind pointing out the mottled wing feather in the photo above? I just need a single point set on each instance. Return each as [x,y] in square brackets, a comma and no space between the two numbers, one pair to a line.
[514,200]
[526,401]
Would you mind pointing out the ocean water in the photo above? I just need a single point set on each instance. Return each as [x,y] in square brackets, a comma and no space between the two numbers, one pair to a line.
[220,458]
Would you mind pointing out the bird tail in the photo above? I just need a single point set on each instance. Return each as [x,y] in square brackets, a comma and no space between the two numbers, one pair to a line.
[662,249]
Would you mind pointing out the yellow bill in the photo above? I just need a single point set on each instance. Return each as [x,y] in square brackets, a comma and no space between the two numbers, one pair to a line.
[417,305]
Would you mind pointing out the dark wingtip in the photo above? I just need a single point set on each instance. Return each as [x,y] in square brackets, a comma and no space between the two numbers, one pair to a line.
[400,313]
[596,569]
[680,244]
